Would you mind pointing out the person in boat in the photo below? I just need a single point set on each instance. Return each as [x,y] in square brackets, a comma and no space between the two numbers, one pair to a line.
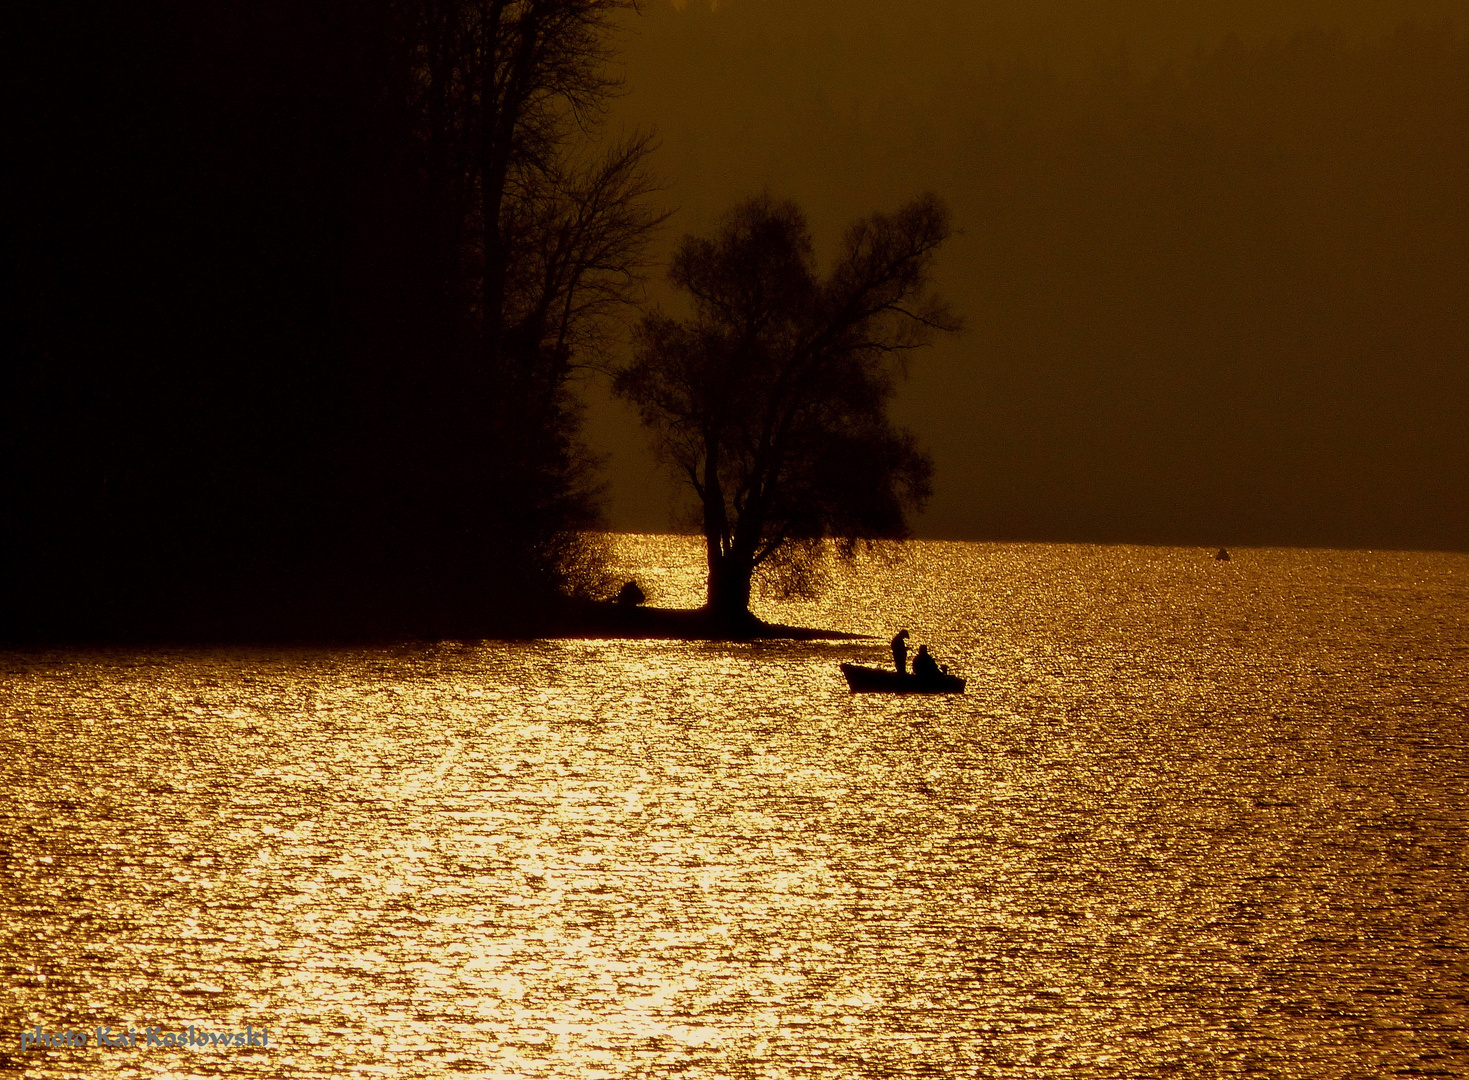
[924,666]
[900,652]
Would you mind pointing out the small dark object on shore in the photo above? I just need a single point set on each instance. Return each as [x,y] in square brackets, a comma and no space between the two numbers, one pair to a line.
[1223,556]
[631,595]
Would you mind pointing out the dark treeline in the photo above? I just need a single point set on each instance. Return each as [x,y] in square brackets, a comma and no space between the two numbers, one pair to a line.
[251,388]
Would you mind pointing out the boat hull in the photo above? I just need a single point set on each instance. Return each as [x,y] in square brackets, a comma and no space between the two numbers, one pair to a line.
[866,680]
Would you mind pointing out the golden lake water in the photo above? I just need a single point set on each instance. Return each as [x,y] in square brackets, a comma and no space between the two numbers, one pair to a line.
[1192,818]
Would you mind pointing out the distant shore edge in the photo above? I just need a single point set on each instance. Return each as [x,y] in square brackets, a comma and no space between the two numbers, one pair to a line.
[586,620]
[598,619]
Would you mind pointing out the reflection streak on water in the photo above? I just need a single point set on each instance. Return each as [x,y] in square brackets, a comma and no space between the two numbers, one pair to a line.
[1192,816]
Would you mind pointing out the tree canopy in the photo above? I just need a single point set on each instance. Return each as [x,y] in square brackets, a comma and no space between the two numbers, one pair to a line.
[770,398]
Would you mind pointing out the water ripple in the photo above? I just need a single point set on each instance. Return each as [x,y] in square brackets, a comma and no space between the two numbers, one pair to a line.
[1192,819]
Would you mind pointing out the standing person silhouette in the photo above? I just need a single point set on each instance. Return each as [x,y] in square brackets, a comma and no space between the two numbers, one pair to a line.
[900,652]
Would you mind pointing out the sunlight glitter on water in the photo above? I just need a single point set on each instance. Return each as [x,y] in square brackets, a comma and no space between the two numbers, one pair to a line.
[1192,817]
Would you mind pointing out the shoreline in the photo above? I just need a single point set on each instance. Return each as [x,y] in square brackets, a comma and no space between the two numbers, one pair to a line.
[593,620]
[569,620]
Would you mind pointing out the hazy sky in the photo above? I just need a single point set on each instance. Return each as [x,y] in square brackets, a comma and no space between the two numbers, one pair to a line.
[1214,257]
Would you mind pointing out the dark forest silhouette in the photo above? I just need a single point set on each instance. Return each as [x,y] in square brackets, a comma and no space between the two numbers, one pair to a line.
[770,401]
[299,290]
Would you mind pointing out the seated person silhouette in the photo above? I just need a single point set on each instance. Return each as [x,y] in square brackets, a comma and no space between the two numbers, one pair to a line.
[924,667]
[900,652]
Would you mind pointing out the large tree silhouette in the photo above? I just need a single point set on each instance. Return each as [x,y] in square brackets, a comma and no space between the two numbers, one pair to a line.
[301,288]
[770,399]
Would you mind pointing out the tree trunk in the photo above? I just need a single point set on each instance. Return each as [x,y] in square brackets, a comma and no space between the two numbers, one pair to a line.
[729,589]
[730,566]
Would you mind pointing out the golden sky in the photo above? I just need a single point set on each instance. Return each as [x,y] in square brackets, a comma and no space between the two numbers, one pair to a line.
[1213,256]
